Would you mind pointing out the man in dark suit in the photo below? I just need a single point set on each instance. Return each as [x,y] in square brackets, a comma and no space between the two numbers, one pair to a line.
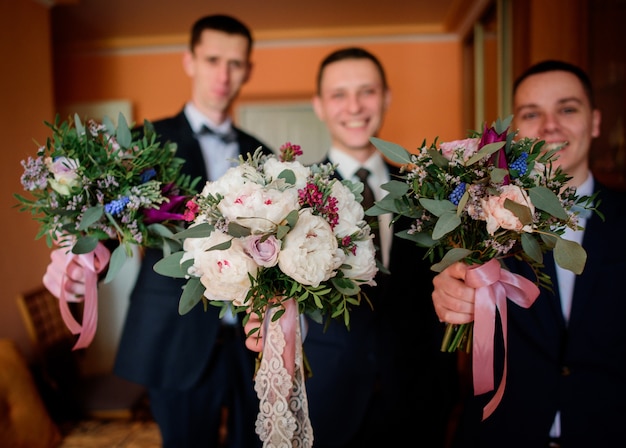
[196,367]
[364,378]
[566,381]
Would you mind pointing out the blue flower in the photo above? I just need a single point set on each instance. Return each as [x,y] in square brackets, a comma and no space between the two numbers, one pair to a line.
[116,206]
[457,194]
[147,175]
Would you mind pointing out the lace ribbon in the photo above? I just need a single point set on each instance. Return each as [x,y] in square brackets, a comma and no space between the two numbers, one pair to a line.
[93,263]
[493,286]
[283,419]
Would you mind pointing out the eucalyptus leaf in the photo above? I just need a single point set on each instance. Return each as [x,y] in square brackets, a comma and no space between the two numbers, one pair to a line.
[222,246]
[395,188]
[91,216]
[170,266]
[118,258]
[123,134]
[532,247]
[543,198]
[80,129]
[446,223]
[570,255]
[498,175]
[421,238]
[437,206]
[289,176]
[522,212]
[451,257]
[192,294]
[198,231]
[438,158]
[392,151]
[84,245]
[281,231]
[237,230]
[292,218]
[485,151]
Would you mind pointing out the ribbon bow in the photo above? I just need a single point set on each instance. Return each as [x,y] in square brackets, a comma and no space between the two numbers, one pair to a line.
[493,286]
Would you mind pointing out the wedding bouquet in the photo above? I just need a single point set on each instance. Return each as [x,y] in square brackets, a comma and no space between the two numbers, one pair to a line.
[276,238]
[480,200]
[97,183]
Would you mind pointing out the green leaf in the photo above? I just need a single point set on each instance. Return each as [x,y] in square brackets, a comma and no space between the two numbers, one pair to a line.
[570,255]
[485,151]
[289,176]
[222,246]
[437,206]
[446,223]
[281,231]
[84,245]
[91,216]
[395,188]
[498,175]
[451,257]
[237,230]
[199,231]
[543,198]
[532,247]
[123,135]
[192,294]
[170,266]
[522,212]
[392,151]
[292,218]
[118,258]
[422,238]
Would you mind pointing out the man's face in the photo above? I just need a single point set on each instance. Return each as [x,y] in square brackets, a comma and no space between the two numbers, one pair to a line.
[553,106]
[352,103]
[218,67]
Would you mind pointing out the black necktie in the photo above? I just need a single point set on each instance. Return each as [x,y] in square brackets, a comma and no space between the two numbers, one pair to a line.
[229,137]
[368,201]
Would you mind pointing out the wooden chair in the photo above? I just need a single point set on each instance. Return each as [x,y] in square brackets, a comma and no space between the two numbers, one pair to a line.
[66,390]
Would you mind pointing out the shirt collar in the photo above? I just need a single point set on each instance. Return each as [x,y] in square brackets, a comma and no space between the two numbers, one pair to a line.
[197,120]
[347,166]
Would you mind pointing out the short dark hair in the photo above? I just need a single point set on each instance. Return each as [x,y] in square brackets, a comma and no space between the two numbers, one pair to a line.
[350,53]
[553,65]
[220,22]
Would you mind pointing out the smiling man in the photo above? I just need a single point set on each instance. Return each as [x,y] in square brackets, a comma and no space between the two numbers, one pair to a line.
[566,355]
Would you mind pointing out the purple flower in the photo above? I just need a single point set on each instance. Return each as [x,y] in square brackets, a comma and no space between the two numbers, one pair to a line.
[498,158]
[165,211]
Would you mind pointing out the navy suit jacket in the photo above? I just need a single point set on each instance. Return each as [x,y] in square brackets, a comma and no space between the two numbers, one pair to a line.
[578,368]
[378,354]
[160,348]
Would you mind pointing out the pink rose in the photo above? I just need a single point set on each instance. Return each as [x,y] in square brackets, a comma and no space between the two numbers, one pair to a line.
[497,216]
[264,252]
[468,147]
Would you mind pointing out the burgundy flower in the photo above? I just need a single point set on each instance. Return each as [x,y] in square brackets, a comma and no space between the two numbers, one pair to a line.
[166,211]
[498,158]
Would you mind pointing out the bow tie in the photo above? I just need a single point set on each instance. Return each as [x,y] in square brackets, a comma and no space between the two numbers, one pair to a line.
[228,137]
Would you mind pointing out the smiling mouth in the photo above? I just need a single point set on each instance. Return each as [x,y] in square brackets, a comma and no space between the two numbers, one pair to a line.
[557,146]
[356,124]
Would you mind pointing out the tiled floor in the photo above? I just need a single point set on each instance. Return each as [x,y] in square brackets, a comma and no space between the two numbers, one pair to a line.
[113,434]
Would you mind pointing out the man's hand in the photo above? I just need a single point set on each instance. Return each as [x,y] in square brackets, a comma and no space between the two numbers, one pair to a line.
[452,298]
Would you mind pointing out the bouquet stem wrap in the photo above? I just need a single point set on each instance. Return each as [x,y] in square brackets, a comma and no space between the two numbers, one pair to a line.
[93,263]
[493,286]
[283,419]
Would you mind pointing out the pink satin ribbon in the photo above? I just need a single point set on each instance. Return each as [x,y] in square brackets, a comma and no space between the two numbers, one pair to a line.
[93,263]
[493,286]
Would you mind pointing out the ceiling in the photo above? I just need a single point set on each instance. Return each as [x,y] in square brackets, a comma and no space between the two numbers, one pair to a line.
[80,21]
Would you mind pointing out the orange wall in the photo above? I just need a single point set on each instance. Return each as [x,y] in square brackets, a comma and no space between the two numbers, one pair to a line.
[425,78]
[25,101]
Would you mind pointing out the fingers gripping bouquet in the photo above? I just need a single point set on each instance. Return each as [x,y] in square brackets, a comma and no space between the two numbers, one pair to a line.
[481,200]
[98,183]
[276,238]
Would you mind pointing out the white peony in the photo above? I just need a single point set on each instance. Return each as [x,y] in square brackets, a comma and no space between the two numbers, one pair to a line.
[224,273]
[273,167]
[310,253]
[350,211]
[362,263]
[233,180]
[257,208]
